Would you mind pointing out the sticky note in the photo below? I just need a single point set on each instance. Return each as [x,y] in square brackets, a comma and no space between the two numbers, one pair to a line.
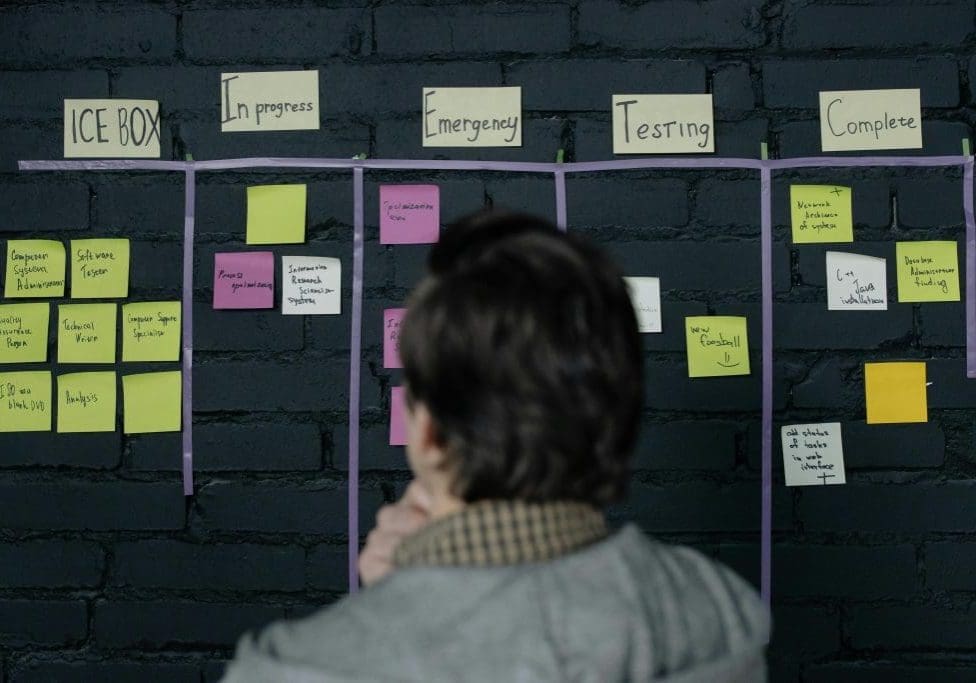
[311,285]
[276,214]
[717,346]
[895,392]
[821,213]
[244,280]
[813,454]
[86,402]
[870,119]
[927,271]
[269,100]
[86,333]
[645,295]
[151,331]
[35,268]
[663,124]
[410,214]
[152,402]
[398,417]
[472,117]
[109,128]
[99,269]
[23,332]
[856,282]
[25,401]
[392,317]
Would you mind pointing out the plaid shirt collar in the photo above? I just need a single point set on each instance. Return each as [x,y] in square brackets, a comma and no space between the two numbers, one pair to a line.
[503,532]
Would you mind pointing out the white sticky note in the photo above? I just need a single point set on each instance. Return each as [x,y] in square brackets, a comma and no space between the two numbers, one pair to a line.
[645,294]
[311,285]
[111,128]
[472,117]
[856,282]
[269,100]
[663,124]
[813,454]
[870,119]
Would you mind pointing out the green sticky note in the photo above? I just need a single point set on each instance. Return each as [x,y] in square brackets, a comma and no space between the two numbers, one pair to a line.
[86,333]
[99,269]
[153,402]
[151,331]
[821,213]
[25,401]
[35,268]
[276,214]
[23,332]
[927,271]
[86,402]
[717,346]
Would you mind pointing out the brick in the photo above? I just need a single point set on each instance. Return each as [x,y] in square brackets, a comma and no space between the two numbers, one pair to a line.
[834,384]
[950,386]
[870,205]
[802,138]
[50,449]
[812,326]
[725,203]
[926,203]
[873,672]
[176,88]
[804,631]
[637,203]
[328,568]
[244,330]
[668,387]
[732,88]
[375,451]
[896,628]
[950,566]
[156,267]
[696,445]
[42,622]
[944,324]
[836,571]
[36,204]
[402,139]
[96,672]
[127,208]
[336,139]
[49,564]
[409,264]
[743,559]
[269,386]
[41,94]
[30,140]
[532,194]
[690,266]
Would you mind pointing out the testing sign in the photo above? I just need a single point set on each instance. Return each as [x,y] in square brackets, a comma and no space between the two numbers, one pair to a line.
[111,128]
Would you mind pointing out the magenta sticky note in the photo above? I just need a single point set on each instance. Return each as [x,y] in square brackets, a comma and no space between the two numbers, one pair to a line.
[398,417]
[409,214]
[392,317]
[244,280]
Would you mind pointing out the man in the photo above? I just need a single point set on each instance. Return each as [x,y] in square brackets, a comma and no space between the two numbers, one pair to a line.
[523,370]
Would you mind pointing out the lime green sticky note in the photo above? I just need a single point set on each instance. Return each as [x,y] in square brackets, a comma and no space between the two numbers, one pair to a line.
[86,333]
[25,401]
[86,402]
[99,269]
[927,271]
[821,213]
[717,345]
[276,214]
[23,332]
[151,331]
[35,268]
[152,402]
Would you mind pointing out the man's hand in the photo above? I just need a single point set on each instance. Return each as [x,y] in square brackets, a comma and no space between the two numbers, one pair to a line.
[393,523]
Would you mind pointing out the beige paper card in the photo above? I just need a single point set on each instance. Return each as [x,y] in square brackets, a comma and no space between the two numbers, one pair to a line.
[472,117]
[269,100]
[870,119]
[663,124]
[111,128]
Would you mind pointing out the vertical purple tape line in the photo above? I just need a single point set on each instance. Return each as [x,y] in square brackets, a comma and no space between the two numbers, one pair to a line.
[560,178]
[766,246]
[189,213]
[967,203]
[355,361]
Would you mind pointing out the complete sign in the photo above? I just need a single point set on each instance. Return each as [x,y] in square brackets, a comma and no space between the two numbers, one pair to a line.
[870,119]
[111,128]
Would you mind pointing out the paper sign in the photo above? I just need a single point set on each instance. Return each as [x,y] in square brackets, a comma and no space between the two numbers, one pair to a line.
[269,100]
[392,318]
[35,268]
[86,402]
[663,124]
[645,295]
[99,269]
[244,280]
[111,128]
[398,415]
[717,346]
[870,119]
[311,285]
[151,331]
[927,271]
[23,332]
[472,117]
[152,402]
[86,333]
[813,454]
[276,214]
[25,401]
[821,213]
[409,214]
[895,392]
[856,282]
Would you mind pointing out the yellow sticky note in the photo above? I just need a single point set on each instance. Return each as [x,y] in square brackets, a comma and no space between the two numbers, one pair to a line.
[152,402]
[23,332]
[86,333]
[895,392]
[151,331]
[821,213]
[276,214]
[99,269]
[35,268]
[25,401]
[86,402]
[927,271]
[717,345]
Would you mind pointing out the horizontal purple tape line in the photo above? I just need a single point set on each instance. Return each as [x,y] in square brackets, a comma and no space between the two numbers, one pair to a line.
[967,203]
[105,165]
[188,228]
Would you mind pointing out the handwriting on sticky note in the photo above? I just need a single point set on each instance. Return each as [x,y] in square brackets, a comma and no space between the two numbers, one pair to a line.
[813,454]
[645,295]
[409,214]
[717,346]
[663,124]
[870,119]
[244,279]
[23,332]
[86,333]
[269,100]
[856,282]
[392,318]
[927,271]
[152,402]
[111,128]
[35,268]
[398,417]
[86,402]
[311,285]
[472,117]
[25,401]
[276,214]
[821,213]
[151,331]
[99,268]
[895,392]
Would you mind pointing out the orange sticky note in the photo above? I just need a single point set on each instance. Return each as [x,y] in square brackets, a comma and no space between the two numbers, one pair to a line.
[895,392]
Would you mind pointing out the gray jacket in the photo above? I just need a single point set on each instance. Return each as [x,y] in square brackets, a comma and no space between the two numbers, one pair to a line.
[624,609]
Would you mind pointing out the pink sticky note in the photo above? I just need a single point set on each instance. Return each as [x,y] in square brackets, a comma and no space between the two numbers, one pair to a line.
[398,414]
[409,214]
[244,280]
[391,337]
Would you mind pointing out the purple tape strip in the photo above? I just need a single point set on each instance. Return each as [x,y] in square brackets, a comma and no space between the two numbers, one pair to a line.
[188,228]
[842,162]
[766,247]
[355,350]
[560,179]
[967,203]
